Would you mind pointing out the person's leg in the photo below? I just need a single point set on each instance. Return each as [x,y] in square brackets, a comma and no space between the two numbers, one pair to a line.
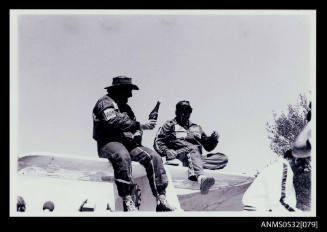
[182,156]
[192,158]
[195,168]
[120,159]
[153,165]
[156,174]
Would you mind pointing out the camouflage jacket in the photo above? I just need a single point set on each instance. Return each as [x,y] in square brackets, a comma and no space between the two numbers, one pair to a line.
[173,136]
[112,123]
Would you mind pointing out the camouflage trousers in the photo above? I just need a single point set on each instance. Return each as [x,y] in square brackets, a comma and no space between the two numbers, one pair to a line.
[121,160]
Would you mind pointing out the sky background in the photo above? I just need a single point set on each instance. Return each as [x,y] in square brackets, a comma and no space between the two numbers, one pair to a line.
[234,69]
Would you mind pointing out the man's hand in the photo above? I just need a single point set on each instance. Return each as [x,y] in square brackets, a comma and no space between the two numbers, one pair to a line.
[149,125]
[137,133]
[137,137]
[171,154]
[215,135]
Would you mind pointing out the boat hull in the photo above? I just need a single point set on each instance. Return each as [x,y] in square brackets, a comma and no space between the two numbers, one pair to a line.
[69,181]
[225,195]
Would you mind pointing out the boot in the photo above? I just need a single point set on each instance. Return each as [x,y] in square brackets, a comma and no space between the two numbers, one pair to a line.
[206,183]
[129,204]
[163,205]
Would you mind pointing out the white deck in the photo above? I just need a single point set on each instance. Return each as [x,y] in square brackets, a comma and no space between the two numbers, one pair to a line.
[69,180]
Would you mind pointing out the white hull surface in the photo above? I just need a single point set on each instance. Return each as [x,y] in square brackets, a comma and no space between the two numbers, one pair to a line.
[225,195]
[68,181]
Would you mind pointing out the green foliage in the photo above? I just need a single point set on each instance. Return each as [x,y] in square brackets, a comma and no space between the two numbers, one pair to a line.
[285,127]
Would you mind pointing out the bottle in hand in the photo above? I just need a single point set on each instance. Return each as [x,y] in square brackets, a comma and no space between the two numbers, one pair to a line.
[154,113]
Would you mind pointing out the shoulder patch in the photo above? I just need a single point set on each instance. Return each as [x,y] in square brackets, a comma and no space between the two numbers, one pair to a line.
[109,113]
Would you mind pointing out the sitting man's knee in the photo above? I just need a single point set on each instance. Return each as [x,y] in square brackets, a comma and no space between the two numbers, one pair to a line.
[146,159]
[117,154]
[150,155]
[122,155]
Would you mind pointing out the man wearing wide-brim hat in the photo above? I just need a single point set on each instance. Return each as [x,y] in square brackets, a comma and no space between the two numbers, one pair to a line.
[118,135]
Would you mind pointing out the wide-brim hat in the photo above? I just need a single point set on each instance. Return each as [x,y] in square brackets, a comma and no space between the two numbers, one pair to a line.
[122,81]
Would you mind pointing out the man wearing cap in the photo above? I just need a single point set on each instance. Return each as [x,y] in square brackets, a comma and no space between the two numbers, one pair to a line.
[179,138]
[273,189]
[118,137]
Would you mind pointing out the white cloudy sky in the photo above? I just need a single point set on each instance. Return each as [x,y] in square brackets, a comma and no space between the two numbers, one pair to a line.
[235,69]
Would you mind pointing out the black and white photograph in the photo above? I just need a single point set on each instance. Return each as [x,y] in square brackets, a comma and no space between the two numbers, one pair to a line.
[162,113]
